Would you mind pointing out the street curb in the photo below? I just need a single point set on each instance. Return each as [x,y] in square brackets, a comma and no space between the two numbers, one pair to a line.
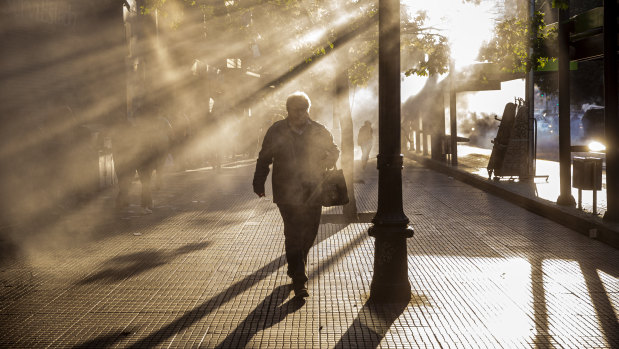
[569,217]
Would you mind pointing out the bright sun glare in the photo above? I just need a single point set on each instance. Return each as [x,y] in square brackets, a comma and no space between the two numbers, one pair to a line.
[466,25]
[596,146]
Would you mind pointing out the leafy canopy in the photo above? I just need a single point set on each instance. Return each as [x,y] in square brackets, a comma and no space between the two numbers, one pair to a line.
[424,50]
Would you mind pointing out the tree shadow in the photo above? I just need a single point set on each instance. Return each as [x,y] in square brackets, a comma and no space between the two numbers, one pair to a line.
[268,313]
[372,323]
[125,266]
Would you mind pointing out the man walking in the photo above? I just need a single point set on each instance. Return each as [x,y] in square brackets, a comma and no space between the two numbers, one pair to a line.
[364,140]
[300,150]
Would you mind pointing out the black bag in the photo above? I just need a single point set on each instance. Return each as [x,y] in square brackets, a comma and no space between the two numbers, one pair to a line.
[333,191]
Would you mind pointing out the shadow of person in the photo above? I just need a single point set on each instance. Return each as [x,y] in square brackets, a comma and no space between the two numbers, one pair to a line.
[105,341]
[225,296]
[130,265]
[371,324]
[268,313]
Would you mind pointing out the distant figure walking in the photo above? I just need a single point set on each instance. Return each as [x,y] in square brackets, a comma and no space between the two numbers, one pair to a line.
[300,150]
[143,145]
[365,140]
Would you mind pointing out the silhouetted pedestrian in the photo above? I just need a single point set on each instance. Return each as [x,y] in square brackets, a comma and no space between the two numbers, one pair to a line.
[364,140]
[141,144]
[300,150]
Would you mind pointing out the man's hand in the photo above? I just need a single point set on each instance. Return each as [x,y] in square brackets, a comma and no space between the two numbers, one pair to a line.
[259,189]
[327,164]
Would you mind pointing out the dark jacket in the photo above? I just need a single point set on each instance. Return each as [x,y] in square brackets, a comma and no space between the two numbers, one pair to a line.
[299,161]
[364,137]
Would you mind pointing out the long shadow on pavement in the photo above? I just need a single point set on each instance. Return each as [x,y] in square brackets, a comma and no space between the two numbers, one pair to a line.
[103,341]
[268,313]
[206,308]
[239,333]
[602,304]
[372,323]
[199,312]
[371,319]
[542,333]
[133,264]
[599,297]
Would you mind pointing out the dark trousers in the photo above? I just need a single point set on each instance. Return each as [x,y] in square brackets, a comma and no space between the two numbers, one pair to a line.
[365,154]
[300,229]
[125,173]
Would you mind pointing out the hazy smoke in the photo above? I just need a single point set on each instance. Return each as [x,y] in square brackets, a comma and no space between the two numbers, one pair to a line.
[480,128]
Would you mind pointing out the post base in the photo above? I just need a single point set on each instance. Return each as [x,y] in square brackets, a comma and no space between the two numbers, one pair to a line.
[611,217]
[566,200]
[383,230]
[390,280]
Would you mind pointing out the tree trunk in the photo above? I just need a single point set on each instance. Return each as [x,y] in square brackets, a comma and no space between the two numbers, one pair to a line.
[343,113]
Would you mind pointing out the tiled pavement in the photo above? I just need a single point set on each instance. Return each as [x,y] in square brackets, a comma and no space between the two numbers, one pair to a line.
[206,269]
[538,195]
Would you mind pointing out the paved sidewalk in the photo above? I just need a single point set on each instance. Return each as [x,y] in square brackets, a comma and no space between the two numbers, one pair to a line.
[538,195]
[207,269]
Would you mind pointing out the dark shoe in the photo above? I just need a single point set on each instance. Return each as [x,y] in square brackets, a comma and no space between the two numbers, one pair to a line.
[300,290]
[301,293]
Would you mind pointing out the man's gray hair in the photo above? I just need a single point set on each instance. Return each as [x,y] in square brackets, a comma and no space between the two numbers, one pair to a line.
[298,98]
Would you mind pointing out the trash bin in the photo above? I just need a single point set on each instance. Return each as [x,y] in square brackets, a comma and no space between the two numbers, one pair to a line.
[587,173]
[587,176]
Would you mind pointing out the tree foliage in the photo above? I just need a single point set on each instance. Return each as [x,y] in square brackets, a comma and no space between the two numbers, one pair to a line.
[424,50]
[512,40]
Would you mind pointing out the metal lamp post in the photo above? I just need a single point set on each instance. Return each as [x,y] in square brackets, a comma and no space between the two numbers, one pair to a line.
[611,110]
[565,155]
[390,225]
